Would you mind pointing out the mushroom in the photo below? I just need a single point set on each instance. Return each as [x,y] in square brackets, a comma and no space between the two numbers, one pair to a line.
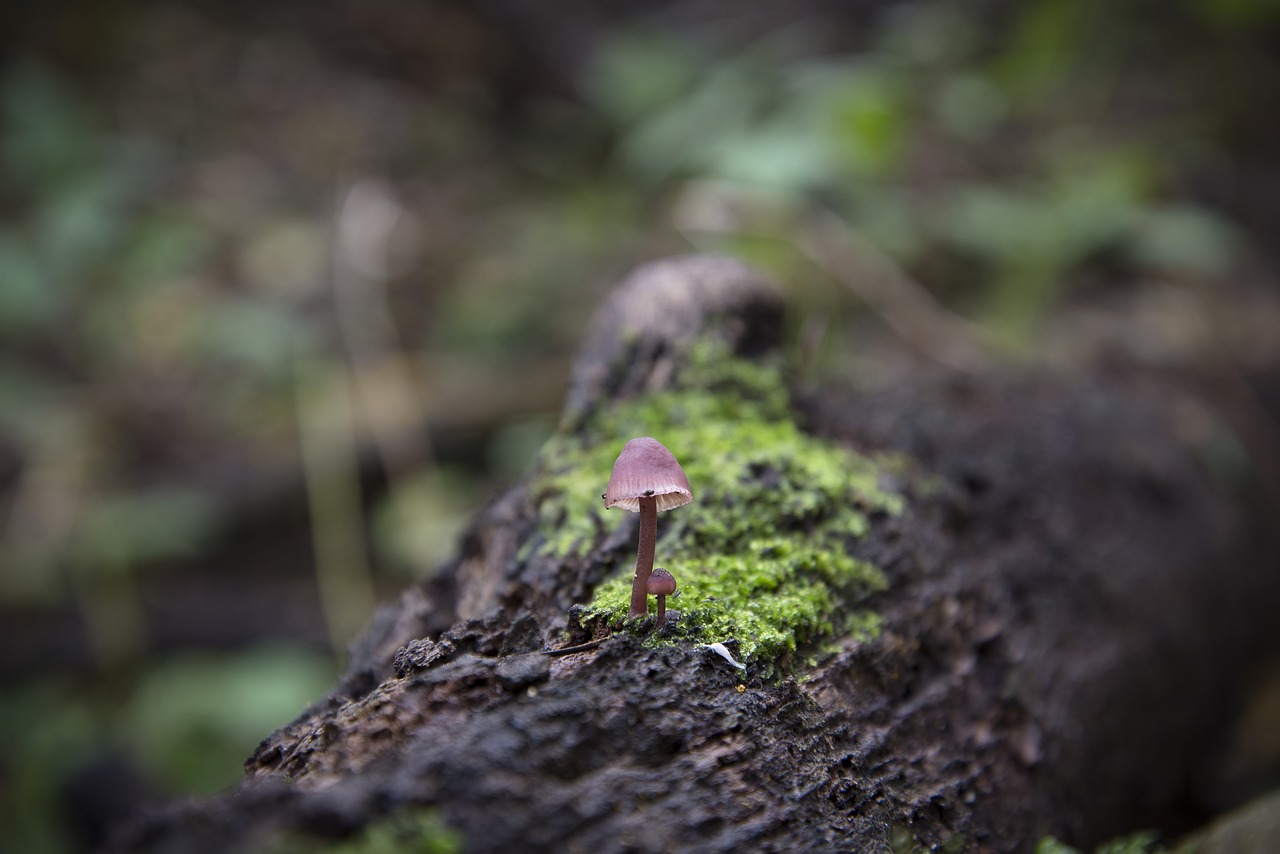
[661,584]
[646,478]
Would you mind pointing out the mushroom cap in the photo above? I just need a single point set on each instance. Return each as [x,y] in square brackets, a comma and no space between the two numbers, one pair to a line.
[661,583]
[645,469]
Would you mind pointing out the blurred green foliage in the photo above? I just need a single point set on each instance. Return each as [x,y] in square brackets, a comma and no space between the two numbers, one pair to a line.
[1142,842]
[406,832]
[81,259]
[57,727]
[168,267]
[193,717]
[190,721]
[85,243]
[420,522]
[906,142]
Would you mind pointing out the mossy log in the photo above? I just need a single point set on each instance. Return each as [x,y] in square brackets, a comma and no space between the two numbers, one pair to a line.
[973,611]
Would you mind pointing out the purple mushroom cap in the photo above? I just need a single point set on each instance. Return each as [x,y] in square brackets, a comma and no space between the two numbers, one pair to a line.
[646,469]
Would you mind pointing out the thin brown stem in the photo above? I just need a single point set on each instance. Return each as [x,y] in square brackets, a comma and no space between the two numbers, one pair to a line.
[644,558]
[662,612]
[569,650]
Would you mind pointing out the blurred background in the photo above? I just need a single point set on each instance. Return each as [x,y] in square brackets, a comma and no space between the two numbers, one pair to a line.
[288,290]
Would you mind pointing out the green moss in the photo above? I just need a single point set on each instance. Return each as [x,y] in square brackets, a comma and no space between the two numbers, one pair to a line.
[1143,842]
[420,831]
[761,555]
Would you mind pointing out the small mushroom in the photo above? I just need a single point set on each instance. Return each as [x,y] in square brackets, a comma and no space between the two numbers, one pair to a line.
[646,478]
[661,584]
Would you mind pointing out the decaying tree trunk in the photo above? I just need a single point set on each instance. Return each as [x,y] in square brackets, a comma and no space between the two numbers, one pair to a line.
[1072,604]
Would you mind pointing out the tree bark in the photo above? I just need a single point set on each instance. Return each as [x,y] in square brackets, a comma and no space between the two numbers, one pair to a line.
[1074,603]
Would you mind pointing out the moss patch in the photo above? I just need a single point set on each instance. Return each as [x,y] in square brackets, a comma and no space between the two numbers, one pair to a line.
[1143,842]
[761,555]
[416,831]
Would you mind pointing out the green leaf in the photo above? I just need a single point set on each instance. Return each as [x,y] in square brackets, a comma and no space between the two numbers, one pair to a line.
[120,532]
[1184,239]
[635,74]
[28,301]
[195,717]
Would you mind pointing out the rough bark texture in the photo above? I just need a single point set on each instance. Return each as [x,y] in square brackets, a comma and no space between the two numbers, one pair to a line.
[1072,607]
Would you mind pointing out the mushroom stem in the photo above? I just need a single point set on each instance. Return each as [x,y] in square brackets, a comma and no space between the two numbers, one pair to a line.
[644,559]
[662,612]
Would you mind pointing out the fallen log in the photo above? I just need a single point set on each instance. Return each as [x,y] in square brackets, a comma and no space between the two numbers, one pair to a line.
[970,612]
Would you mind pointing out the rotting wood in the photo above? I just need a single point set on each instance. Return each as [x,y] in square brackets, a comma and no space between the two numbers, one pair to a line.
[1073,604]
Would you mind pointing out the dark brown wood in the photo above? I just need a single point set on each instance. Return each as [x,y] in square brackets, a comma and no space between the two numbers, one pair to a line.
[1074,603]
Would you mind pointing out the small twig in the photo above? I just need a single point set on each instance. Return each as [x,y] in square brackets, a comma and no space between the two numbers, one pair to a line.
[327,442]
[582,647]
[364,221]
